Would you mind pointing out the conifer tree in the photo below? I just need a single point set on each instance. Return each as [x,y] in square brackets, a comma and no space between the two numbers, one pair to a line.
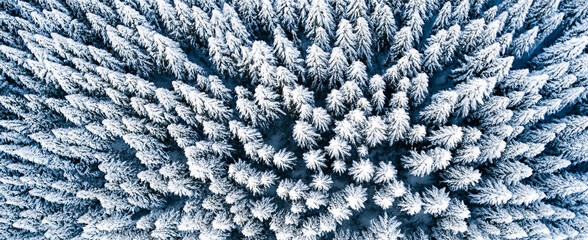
[364,40]
[338,65]
[317,64]
[286,12]
[444,17]
[320,15]
[385,24]
[346,38]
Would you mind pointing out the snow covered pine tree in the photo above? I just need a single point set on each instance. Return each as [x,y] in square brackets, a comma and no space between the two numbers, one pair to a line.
[293,119]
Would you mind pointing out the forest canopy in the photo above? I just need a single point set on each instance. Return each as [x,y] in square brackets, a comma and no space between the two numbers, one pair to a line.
[293,119]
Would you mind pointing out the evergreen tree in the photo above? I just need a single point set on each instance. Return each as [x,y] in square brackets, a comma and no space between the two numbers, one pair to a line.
[362,170]
[403,41]
[461,177]
[562,51]
[448,137]
[384,227]
[524,42]
[491,192]
[435,201]
[440,108]
[346,38]
[375,131]
[267,15]
[418,91]
[316,63]
[357,73]
[364,40]
[443,19]
[432,56]
[304,135]
[356,9]
[384,24]
[286,52]
[320,15]
[287,11]
[461,11]
[338,66]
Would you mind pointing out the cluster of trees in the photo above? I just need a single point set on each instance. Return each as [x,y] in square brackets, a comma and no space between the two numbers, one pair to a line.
[293,119]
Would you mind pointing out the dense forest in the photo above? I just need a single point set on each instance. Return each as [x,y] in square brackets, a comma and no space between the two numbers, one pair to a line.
[294,119]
